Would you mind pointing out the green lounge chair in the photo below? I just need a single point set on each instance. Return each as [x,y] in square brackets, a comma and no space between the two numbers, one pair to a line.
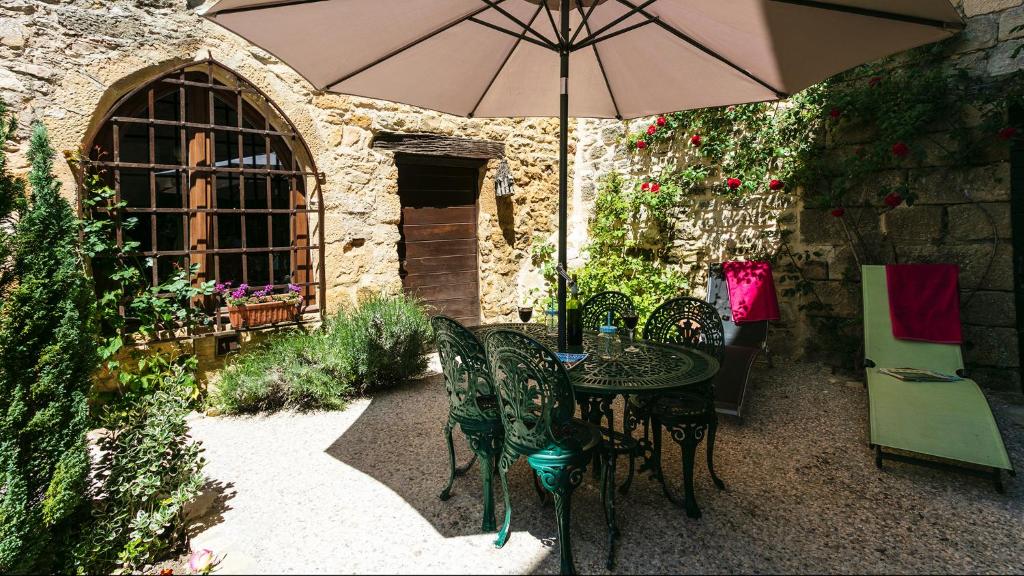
[948,420]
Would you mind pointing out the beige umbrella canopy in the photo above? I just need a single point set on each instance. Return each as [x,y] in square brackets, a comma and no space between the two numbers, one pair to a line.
[628,58]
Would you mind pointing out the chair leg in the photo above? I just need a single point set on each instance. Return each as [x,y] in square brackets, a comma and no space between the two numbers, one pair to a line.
[712,430]
[608,484]
[487,476]
[561,481]
[461,470]
[629,476]
[541,494]
[689,448]
[447,492]
[504,465]
[655,426]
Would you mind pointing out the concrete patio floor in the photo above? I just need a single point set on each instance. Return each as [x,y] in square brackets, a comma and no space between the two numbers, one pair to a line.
[356,492]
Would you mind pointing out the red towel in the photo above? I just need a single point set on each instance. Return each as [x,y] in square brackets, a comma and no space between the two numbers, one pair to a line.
[924,302]
[751,291]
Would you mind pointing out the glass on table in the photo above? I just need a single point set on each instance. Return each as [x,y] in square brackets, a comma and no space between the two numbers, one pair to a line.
[525,313]
[630,319]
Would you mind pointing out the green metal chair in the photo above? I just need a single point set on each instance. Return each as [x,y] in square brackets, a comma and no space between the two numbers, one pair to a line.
[597,307]
[537,407]
[472,406]
[687,415]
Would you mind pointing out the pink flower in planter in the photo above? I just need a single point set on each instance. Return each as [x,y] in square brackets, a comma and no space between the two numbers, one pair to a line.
[294,288]
[776,185]
[201,561]
[838,212]
[900,150]
[893,200]
[733,183]
[640,144]
[1007,133]
[651,130]
[661,120]
[695,140]
[645,186]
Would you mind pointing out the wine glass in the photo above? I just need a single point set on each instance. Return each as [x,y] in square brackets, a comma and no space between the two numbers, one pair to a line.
[630,319]
[525,313]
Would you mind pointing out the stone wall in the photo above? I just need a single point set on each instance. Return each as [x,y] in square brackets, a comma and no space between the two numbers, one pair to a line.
[65,62]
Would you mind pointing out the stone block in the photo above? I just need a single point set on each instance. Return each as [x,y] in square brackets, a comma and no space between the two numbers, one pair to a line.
[1001,60]
[988,183]
[914,224]
[1008,21]
[976,7]
[988,308]
[991,346]
[844,297]
[978,221]
[818,226]
[991,378]
[981,33]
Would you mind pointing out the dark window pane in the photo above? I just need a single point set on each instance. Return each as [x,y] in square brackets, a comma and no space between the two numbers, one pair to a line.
[253,148]
[168,189]
[279,157]
[141,233]
[135,188]
[229,231]
[225,149]
[256,231]
[167,142]
[280,189]
[166,266]
[259,273]
[228,195]
[282,230]
[231,268]
[168,106]
[134,143]
[224,114]
[282,267]
[255,191]
[170,232]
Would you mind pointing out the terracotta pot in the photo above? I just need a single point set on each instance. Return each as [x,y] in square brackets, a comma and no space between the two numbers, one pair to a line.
[253,315]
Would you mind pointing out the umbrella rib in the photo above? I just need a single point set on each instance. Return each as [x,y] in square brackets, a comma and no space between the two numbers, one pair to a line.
[686,38]
[280,4]
[591,40]
[586,18]
[520,23]
[522,36]
[600,64]
[511,33]
[613,23]
[412,44]
[875,14]
[551,18]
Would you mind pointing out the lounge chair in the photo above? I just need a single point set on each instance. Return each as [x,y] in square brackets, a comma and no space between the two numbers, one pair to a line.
[743,343]
[951,421]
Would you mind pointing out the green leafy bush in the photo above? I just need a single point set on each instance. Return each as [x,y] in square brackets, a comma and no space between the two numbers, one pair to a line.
[379,344]
[47,343]
[149,470]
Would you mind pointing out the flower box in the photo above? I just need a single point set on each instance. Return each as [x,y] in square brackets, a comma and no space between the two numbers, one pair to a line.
[260,314]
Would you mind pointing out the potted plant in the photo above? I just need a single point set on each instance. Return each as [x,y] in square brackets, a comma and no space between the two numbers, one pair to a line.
[248,308]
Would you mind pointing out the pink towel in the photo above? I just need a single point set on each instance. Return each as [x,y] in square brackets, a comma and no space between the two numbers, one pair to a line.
[751,291]
[924,302]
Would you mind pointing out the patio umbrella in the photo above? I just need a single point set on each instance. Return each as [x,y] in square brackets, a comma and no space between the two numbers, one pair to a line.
[629,58]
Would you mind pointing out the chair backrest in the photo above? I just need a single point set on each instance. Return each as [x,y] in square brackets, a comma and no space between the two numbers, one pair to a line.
[534,391]
[464,364]
[748,334]
[597,307]
[687,322]
[884,349]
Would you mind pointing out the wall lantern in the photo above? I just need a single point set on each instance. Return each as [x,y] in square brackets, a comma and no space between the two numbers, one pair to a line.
[504,185]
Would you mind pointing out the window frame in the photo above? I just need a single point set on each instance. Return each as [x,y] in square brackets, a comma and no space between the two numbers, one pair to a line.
[197,175]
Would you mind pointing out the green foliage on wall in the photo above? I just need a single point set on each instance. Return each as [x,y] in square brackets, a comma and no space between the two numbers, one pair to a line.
[12,198]
[47,342]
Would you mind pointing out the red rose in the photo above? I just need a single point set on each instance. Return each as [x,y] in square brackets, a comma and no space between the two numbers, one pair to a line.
[835,113]
[776,185]
[900,150]
[661,120]
[838,212]
[733,183]
[874,81]
[893,200]
[730,109]
[651,130]
[640,144]
[645,186]
[655,188]
[695,140]
[1007,133]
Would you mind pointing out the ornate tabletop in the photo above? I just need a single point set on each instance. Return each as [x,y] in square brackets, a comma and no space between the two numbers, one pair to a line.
[652,368]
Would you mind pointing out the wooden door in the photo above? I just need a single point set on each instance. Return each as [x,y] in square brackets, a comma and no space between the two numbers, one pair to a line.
[438,247]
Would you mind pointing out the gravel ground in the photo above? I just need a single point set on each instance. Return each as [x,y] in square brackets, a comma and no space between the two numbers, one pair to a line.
[356,492]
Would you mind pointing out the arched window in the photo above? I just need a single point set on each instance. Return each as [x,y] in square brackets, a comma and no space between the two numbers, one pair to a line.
[216,176]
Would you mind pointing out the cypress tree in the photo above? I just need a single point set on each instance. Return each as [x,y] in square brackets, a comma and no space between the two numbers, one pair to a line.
[48,347]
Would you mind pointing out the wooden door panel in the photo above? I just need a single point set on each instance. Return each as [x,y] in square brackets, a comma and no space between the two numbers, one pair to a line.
[433,215]
[443,291]
[429,232]
[440,248]
[419,266]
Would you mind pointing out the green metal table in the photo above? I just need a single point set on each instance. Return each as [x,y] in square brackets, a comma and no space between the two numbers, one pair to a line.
[652,369]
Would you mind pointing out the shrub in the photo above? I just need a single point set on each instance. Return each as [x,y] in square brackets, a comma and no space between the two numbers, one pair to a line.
[379,344]
[47,342]
[12,198]
[148,471]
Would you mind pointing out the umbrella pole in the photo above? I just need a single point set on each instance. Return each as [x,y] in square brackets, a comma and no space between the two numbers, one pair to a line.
[563,172]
